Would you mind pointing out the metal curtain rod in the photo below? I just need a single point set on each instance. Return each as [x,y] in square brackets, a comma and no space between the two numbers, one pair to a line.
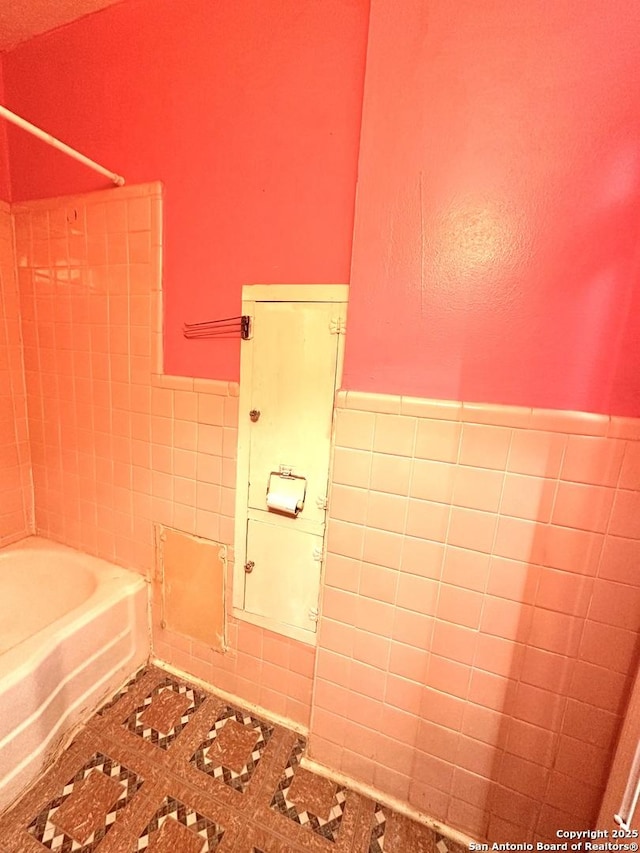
[118,180]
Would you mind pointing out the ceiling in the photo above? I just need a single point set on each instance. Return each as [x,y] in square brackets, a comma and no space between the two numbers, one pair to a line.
[22,19]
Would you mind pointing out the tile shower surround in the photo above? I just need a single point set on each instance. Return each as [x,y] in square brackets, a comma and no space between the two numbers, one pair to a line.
[16,491]
[116,445]
[481,606]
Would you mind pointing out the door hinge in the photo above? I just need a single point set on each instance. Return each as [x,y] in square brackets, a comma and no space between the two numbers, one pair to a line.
[314,614]
[317,554]
[321,503]
[338,326]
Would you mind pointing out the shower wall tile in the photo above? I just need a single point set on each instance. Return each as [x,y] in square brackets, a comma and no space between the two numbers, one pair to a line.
[119,447]
[481,609]
[16,491]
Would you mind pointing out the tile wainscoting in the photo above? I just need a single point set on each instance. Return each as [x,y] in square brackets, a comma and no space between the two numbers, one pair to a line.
[481,608]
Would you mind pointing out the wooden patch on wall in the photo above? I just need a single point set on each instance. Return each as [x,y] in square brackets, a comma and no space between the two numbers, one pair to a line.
[192,573]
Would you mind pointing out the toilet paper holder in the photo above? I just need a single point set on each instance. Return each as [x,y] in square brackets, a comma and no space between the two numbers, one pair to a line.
[286,492]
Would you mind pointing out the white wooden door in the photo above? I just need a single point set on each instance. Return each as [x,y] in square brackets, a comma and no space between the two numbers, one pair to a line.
[284,581]
[290,368]
[293,384]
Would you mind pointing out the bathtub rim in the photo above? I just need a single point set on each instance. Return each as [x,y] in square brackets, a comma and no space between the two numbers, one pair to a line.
[112,584]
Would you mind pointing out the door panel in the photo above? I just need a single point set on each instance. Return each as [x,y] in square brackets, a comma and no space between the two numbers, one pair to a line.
[293,386]
[285,580]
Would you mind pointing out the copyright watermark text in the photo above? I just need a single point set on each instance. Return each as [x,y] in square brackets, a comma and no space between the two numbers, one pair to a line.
[584,840]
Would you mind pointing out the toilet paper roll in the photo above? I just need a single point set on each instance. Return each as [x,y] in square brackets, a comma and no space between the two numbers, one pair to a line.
[286,504]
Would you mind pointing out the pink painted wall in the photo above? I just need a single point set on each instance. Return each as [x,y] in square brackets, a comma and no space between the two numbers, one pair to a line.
[495,252]
[248,112]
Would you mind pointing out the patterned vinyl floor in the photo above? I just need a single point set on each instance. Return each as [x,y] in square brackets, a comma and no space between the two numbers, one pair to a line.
[166,767]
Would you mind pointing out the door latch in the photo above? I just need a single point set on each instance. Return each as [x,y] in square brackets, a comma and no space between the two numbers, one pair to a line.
[248,567]
[254,414]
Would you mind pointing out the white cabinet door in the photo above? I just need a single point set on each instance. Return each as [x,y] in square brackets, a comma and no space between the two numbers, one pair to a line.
[292,387]
[290,368]
[284,581]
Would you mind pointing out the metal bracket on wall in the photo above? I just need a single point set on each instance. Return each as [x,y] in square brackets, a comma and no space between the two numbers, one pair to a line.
[228,327]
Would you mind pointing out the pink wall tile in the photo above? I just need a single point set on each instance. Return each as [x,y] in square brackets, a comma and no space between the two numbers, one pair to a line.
[454,641]
[432,481]
[438,440]
[531,742]
[428,519]
[545,669]
[459,606]
[471,820]
[427,798]
[592,460]
[394,434]
[478,488]
[449,676]
[625,516]
[523,776]
[584,506]
[630,471]
[615,604]
[422,557]
[485,725]
[608,646]
[16,494]
[472,529]
[383,547]
[536,453]
[466,568]
[386,512]
[390,474]
[485,446]
[589,762]
[352,467]
[378,582]
[527,497]
[409,662]
[349,504]
[513,579]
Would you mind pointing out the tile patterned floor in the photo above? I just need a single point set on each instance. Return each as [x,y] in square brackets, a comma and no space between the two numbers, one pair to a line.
[166,767]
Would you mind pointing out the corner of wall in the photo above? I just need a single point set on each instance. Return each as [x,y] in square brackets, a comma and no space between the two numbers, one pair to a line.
[5,170]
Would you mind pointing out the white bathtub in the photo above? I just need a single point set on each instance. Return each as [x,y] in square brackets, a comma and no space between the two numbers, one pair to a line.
[72,628]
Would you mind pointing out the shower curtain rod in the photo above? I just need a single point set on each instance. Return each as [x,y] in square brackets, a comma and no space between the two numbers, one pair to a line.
[61,146]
